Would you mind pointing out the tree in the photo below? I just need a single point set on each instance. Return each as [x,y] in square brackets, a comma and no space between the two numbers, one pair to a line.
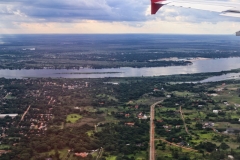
[206,145]
[224,146]
[25,156]
[199,126]
[57,155]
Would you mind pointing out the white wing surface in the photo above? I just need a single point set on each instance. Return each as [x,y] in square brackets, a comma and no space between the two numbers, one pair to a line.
[224,8]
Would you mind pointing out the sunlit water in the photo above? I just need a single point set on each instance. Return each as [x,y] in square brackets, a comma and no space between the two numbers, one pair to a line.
[200,66]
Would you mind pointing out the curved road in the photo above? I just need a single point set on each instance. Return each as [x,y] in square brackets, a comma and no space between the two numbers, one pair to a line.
[152,143]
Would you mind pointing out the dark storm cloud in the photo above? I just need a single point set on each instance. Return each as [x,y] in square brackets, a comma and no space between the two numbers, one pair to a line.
[72,10]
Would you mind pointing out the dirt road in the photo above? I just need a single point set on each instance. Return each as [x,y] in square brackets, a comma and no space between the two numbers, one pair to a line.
[25,113]
[183,119]
[174,144]
[152,128]
[99,153]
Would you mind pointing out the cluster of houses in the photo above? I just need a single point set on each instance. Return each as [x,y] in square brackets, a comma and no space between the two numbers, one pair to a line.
[142,116]
[41,126]
[169,127]
[71,87]
[82,154]
[139,115]
[113,83]
[208,125]
[131,124]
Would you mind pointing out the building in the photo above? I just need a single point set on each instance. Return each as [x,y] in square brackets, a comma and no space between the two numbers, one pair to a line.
[83,154]
[238,33]
[130,124]
[127,115]
[10,115]
[232,130]
[215,111]
[208,125]
[230,157]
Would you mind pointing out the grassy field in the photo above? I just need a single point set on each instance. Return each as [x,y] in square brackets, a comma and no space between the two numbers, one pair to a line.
[140,156]
[206,136]
[107,96]
[63,153]
[183,93]
[89,133]
[229,97]
[108,110]
[192,114]
[167,153]
[230,94]
[147,100]
[3,147]
[111,119]
[72,118]
[226,125]
[9,96]
[94,154]
[111,158]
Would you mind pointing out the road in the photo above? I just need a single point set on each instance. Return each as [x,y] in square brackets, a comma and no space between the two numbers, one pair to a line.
[176,145]
[99,153]
[6,96]
[50,100]
[25,113]
[152,128]
[182,116]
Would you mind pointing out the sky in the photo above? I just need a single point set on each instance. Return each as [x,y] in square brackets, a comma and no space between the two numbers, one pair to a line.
[108,16]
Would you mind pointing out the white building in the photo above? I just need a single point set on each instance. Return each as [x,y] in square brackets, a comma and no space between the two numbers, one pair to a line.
[215,111]
[230,157]
[10,115]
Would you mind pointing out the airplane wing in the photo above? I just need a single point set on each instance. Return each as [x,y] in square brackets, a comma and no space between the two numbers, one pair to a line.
[224,8]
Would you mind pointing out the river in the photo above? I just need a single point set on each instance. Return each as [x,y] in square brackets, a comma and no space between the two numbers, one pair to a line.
[198,66]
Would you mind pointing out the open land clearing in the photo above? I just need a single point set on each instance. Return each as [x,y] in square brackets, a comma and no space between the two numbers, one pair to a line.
[72,118]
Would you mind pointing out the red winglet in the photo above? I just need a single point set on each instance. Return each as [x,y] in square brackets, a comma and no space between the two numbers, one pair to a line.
[154,6]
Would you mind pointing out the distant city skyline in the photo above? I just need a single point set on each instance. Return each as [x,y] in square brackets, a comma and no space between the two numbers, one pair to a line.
[108,16]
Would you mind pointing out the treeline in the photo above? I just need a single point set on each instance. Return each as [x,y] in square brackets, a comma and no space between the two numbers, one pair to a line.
[144,57]
[75,139]
[123,139]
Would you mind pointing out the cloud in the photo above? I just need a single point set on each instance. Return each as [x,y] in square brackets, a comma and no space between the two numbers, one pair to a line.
[77,10]
[47,14]
[101,10]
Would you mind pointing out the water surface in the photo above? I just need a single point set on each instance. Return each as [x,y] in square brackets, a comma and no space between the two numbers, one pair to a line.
[199,66]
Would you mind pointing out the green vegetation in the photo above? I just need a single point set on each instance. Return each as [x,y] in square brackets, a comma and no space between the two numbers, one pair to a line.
[72,118]
[111,158]
[204,127]
[96,119]
[116,117]
[4,147]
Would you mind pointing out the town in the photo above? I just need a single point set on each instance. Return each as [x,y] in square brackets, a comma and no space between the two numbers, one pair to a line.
[109,118]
